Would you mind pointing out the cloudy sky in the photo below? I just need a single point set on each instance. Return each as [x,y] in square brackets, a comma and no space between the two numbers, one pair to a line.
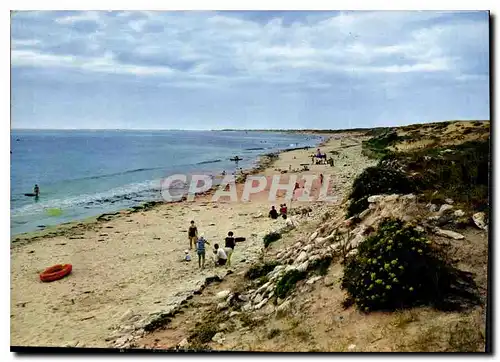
[205,70]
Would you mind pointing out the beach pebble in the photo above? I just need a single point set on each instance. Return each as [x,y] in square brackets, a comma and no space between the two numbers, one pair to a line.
[223,294]
[375,198]
[184,343]
[351,347]
[222,306]
[478,219]
[243,298]
[219,338]
[459,213]
[303,267]
[233,313]
[264,301]
[301,257]
[257,299]
[444,208]
[449,234]
[313,279]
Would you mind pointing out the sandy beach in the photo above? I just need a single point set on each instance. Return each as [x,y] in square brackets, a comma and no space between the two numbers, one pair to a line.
[131,266]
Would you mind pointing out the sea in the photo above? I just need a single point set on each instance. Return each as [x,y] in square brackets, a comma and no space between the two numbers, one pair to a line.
[84,173]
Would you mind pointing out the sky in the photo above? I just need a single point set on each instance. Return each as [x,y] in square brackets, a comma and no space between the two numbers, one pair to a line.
[255,69]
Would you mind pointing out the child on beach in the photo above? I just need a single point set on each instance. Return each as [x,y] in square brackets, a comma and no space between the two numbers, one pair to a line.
[187,257]
[200,249]
[192,234]
[229,247]
[283,211]
[220,256]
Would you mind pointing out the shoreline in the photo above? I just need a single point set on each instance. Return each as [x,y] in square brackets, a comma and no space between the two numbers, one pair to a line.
[262,162]
[128,269]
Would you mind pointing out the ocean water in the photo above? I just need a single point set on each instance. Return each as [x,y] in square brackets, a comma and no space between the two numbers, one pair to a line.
[85,173]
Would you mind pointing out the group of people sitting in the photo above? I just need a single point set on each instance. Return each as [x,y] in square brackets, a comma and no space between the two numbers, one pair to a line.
[273,213]
[222,255]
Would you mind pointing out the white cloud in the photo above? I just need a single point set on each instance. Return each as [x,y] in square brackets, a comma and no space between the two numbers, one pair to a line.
[220,47]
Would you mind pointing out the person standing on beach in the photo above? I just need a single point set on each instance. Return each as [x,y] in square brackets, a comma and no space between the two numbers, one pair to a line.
[200,250]
[192,234]
[229,247]
[321,178]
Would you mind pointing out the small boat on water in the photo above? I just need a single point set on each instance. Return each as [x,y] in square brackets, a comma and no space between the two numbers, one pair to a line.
[237,158]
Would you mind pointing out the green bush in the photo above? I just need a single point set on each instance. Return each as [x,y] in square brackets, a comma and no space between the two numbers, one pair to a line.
[374,181]
[260,270]
[270,238]
[397,268]
[287,282]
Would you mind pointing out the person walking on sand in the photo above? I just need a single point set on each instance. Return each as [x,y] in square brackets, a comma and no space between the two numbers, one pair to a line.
[229,246]
[200,250]
[321,178]
[192,234]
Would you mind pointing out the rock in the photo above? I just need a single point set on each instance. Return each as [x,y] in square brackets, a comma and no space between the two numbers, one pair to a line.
[233,313]
[419,228]
[444,208]
[301,257]
[459,213]
[264,301]
[313,258]
[433,207]
[71,344]
[478,219]
[391,198]
[283,308]
[258,298]
[354,243]
[219,338]
[313,236]
[246,307]
[409,197]
[352,252]
[297,245]
[307,248]
[222,306]
[449,201]
[364,213]
[448,234]
[303,267]
[375,198]
[184,343]
[243,298]
[122,340]
[313,279]
[223,294]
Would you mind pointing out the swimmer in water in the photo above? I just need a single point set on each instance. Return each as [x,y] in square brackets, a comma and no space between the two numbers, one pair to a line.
[36,190]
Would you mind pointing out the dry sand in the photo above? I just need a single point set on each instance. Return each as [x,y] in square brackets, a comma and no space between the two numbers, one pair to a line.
[132,264]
